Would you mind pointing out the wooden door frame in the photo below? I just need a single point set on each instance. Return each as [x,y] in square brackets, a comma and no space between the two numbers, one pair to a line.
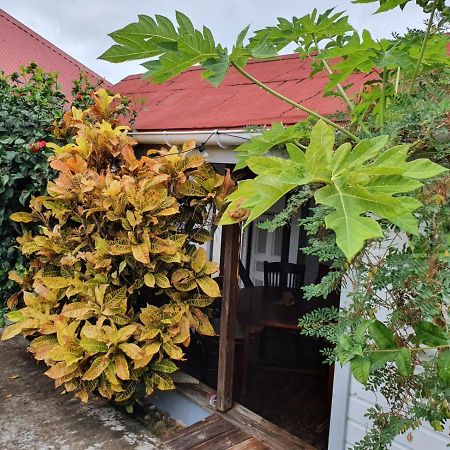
[229,266]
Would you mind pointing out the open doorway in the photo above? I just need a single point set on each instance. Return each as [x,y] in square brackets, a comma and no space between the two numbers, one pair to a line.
[278,374]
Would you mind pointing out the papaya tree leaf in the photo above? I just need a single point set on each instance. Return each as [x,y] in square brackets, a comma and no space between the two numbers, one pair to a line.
[361,185]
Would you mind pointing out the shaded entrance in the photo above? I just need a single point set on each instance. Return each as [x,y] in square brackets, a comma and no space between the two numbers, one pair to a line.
[259,358]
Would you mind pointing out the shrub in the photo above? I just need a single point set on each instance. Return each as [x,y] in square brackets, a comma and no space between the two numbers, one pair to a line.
[116,278]
[29,103]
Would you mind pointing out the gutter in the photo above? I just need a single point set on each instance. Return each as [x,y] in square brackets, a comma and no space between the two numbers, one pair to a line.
[223,139]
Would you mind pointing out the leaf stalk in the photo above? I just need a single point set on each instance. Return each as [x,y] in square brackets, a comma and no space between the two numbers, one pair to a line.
[422,48]
[294,104]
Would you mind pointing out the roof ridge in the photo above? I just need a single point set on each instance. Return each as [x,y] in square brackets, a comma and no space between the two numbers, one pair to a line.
[51,46]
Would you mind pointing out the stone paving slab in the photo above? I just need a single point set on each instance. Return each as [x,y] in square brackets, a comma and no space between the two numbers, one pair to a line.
[35,416]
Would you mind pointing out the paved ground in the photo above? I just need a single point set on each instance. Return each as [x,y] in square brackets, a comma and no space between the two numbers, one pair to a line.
[34,416]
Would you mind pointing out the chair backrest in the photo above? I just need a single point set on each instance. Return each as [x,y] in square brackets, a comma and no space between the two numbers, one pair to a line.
[283,275]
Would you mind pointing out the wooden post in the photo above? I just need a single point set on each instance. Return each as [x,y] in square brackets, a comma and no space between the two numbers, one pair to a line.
[231,235]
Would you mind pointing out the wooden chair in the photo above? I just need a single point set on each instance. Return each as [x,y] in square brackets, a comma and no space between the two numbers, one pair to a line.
[283,275]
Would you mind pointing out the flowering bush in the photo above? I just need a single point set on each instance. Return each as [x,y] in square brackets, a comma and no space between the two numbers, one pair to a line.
[116,278]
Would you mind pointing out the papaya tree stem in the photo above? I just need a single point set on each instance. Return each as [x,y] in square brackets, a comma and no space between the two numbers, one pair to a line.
[383,96]
[330,72]
[422,48]
[294,104]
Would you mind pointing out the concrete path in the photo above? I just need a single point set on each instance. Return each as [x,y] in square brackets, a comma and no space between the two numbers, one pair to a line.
[35,416]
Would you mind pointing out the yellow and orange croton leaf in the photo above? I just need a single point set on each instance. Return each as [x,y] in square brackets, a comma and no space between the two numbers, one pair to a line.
[116,281]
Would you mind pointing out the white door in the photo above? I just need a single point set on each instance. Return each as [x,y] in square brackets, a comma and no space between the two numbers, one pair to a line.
[266,246]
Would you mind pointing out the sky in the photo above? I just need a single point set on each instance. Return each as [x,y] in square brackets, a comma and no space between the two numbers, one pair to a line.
[81,27]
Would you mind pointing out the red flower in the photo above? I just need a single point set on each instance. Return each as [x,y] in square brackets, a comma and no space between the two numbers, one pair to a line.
[36,146]
[79,96]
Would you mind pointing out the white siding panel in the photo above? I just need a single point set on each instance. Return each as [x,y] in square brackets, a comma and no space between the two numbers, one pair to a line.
[351,400]
[424,438]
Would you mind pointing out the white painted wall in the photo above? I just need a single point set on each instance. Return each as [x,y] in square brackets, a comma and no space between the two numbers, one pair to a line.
[351,402]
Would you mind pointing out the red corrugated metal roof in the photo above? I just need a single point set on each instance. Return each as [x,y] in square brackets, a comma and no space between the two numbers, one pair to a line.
[19,45]
[188,102]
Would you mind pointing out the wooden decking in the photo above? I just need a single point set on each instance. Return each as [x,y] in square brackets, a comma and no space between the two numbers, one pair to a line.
[237,429]
[214,433]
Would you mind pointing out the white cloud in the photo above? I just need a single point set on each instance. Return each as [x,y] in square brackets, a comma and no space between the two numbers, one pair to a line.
[80,27]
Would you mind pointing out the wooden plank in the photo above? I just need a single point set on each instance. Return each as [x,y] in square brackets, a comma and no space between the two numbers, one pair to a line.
[193,429]
[250,444]
[200,433]
[231,235]
[263,430]
[223,441]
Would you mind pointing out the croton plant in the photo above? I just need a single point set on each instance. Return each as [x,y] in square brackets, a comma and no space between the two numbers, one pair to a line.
[117,276]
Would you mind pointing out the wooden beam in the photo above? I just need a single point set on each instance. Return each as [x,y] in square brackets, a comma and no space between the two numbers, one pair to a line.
[231,235]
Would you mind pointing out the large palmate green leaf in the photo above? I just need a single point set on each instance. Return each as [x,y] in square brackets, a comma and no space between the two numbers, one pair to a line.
[362,185]
[306,31]
[361,53]
[278,135]
[179,47]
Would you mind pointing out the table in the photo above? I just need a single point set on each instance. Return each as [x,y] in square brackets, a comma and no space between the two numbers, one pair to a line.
[260,307]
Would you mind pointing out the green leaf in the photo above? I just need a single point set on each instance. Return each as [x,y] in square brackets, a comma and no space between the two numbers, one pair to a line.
[96,368]
[392,184]
[93,346]
[295,153]
[387,5]
[428,333]
[209,286]
[161,280]
[23,217]
[320,149]
[379,359]
[360,368]
[129,49]
[164,366]
[352,230]
[162,381]
[200,301]
[422,169]
[443,367]
[382,335]
[258,197]
[403,361]
[366,149]
[361,185]
[216,69]
[178,48]
[149,279]
[276,136]
[127,393]
[239,55]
